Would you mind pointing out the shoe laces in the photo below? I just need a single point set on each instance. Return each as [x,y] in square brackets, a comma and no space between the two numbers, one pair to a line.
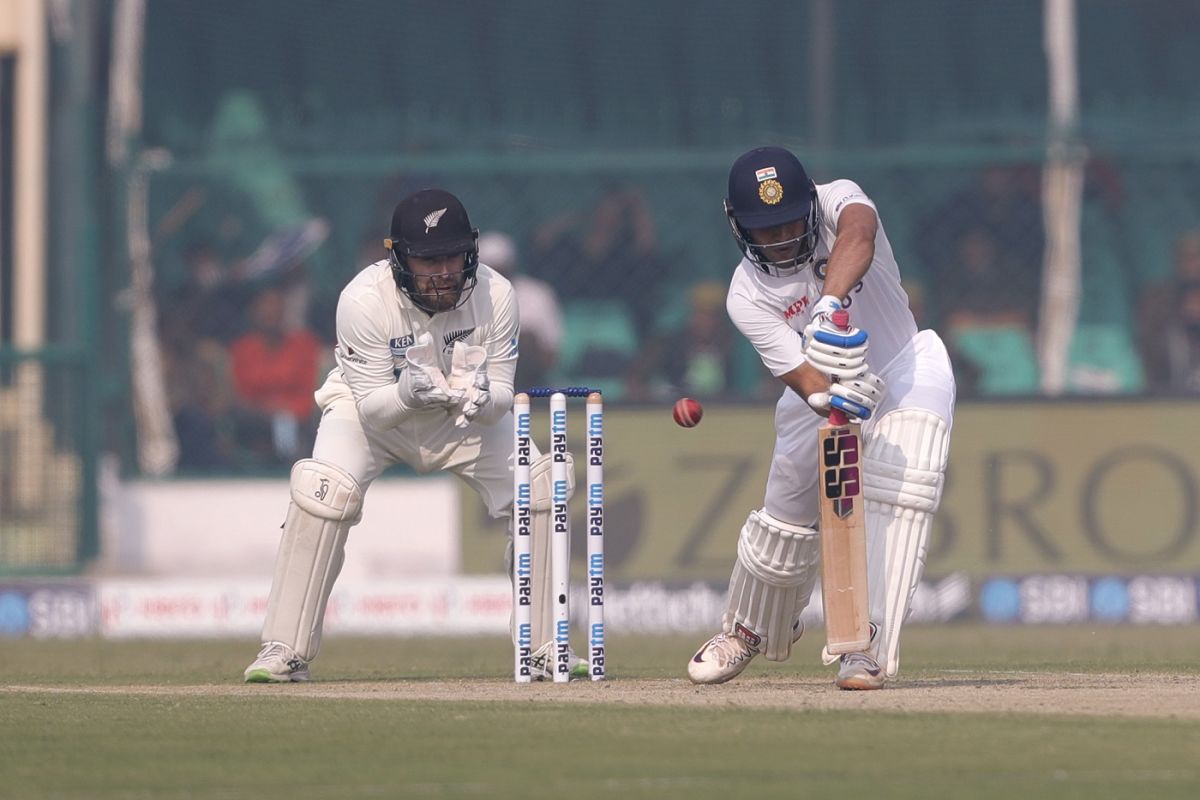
[730,649]
[280,649]
[859,660]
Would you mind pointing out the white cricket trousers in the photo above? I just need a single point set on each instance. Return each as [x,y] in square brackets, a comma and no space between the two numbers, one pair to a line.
[481,455]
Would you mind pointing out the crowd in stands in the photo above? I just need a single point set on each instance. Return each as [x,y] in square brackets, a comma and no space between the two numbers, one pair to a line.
[602,304]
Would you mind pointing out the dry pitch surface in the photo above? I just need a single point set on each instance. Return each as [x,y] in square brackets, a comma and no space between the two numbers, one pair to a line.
[1088,694]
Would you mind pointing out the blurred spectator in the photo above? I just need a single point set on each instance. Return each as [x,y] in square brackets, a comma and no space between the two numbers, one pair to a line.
[196,321]
[966,373]
[990,307]
[1000,211]
[611,254]
[240,137]
[696,359]
[1169,323]
[274,375]
[282,259]
[201,398]
[540,314]
[209,303]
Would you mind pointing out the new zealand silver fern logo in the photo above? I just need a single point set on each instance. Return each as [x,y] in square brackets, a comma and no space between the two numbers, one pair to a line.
[432,220]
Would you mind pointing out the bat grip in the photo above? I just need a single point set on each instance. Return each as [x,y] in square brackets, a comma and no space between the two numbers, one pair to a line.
[841,318]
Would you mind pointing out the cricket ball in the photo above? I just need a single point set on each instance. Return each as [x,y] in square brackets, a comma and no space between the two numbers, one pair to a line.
[687,412]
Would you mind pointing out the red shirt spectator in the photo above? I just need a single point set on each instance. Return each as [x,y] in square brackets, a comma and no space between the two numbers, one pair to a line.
[275,370]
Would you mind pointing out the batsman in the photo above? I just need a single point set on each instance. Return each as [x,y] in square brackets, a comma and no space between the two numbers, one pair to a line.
[425,358]
[810,250]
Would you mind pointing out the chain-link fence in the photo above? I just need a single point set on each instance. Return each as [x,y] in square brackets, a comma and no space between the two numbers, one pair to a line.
[46,469]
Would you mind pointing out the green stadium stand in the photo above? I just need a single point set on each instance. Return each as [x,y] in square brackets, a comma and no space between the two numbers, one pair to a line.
[598,345]
[1004,357]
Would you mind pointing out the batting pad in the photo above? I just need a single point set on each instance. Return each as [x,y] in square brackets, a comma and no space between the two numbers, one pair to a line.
[326,503]
[773,578]
[904,468]
[541,527]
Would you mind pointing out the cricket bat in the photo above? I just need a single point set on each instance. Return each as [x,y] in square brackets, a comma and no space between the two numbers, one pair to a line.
[843,531]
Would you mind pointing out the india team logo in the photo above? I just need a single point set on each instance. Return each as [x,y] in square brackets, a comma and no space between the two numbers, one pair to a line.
[770,192]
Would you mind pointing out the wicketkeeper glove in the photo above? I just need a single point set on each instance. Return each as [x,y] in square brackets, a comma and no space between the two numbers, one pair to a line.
[469,379]
[421,383]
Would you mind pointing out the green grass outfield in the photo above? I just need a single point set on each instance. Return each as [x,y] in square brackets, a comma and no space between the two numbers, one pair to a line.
[1062,713]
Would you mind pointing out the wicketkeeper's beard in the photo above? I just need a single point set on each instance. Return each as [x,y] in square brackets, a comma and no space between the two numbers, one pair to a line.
[440,299]
[437,296]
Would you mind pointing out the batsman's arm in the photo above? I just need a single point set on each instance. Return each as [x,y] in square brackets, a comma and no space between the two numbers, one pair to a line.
[806,381]
[365,360]
[853,250]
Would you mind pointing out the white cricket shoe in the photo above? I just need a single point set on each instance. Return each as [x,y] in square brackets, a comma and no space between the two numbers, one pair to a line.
[721,658]
[540,664]
[724,656]
[859,671]
[277,663]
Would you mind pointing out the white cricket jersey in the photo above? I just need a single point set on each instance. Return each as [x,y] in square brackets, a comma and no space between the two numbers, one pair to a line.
[376,324]
[771,312]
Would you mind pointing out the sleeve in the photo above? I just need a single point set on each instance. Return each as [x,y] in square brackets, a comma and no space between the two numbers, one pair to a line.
[365,359]
[839,194]
[779,347]
[501,345]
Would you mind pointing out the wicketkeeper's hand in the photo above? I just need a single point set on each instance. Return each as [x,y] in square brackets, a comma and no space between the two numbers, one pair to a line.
[469,378]
[836,352]
[422,384]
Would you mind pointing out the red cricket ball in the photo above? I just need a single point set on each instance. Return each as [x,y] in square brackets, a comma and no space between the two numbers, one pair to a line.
[687,412]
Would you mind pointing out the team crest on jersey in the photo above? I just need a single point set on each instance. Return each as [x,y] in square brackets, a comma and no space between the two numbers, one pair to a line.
[400,344]
[455,336]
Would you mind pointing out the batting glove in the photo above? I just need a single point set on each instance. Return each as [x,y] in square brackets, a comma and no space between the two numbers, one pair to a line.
[836,352]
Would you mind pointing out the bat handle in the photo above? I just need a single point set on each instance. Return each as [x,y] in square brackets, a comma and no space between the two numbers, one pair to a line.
[841,318]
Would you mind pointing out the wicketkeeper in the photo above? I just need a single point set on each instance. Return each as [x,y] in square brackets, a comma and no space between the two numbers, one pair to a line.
[426,353]
[809,250]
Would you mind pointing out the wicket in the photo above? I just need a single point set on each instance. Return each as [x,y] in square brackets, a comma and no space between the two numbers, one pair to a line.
[560,538]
